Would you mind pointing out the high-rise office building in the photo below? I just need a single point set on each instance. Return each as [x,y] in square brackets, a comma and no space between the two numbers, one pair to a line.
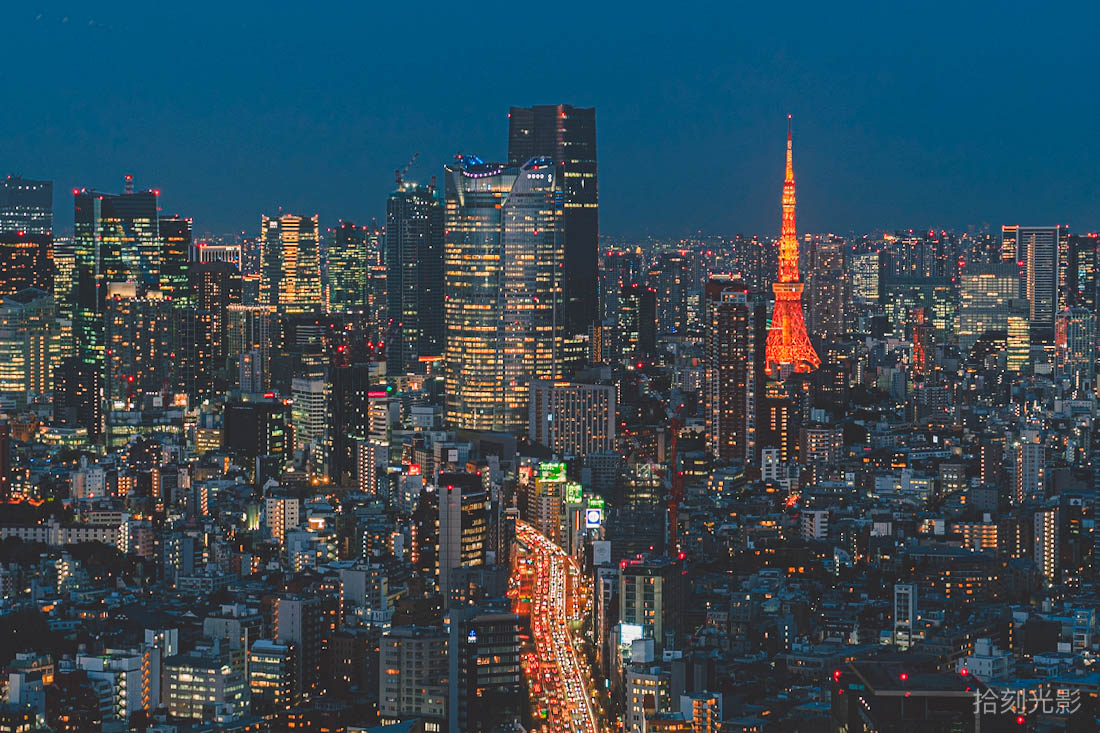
[502,280]
[30,347]
[349,418]
[414,676]
[734,332]
[1075,349]
[414,278]
[1009,240]
[175,265]
[567,136]
[933,297]
[116,239]
[636,335]
[290,263]
[216,286]
[1039,255]
[826,286]
[984,296]
[651,597]
[671,278]
[298,620]
[348,267]
[137,343]
[572,419]
[865,276]
[26,261]
[26,206]
[1083,271]
[486,678]
[463,525]
[308,413]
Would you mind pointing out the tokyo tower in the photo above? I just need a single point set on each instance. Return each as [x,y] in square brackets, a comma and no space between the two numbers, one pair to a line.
[788,347]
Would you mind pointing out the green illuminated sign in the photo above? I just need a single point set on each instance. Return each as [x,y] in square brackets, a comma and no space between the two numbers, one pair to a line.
[595,502]
[574,494]
[552,472]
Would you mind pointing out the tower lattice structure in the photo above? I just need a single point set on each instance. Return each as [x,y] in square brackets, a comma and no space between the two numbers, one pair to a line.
[788,346]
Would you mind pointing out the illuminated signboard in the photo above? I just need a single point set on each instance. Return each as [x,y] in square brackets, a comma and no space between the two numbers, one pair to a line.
[593,517]
[552,472]
[574,494]
[595,502]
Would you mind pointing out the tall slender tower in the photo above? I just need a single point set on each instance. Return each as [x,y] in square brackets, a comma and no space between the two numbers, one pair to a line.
[788,347]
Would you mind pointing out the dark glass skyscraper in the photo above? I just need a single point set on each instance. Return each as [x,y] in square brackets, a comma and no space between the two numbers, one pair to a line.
[567,135]
[734,333]
[414,278]
[116,240]
[175,235]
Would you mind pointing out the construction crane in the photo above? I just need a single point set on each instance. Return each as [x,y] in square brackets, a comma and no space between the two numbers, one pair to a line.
[399,173]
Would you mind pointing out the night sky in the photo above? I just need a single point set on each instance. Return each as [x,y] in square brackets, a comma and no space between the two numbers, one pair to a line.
[976,112]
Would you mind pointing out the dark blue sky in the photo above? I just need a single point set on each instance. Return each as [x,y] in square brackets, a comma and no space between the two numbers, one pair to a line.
[906,114]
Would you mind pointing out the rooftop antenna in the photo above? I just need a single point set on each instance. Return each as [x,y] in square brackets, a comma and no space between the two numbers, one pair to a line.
[129,183]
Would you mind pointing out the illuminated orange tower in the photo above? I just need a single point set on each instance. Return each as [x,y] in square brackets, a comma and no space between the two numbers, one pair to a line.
[788,347]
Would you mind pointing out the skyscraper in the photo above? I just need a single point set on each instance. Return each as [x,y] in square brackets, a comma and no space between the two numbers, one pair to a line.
[175,236]
[414,278]
[733,334]
[116,239]
[788,345]
[1039,256]
[567,135]
[826,286]
[348,267]
[26,206]
[984,296]
[290,263]
[463,525]
[26,261]
[216,286]
[348,418]
[502,283]
[1075,349]
[636,335]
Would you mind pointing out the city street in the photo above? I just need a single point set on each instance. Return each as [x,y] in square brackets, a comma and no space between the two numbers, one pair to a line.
[558,679]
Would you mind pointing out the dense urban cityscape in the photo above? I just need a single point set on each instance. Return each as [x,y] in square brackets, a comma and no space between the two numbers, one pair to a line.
[470,464]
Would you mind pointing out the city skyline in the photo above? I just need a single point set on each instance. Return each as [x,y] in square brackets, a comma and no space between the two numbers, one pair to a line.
[420,453]
[922,129]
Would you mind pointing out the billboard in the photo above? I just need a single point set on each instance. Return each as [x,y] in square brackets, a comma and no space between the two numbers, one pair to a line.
[574,494]
[593,517]
[552,472]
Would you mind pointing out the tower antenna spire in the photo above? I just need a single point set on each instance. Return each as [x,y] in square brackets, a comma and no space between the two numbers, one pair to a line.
[788,346]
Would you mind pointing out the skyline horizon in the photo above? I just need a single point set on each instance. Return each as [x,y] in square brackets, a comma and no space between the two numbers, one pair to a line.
[64,214]
[901,118]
